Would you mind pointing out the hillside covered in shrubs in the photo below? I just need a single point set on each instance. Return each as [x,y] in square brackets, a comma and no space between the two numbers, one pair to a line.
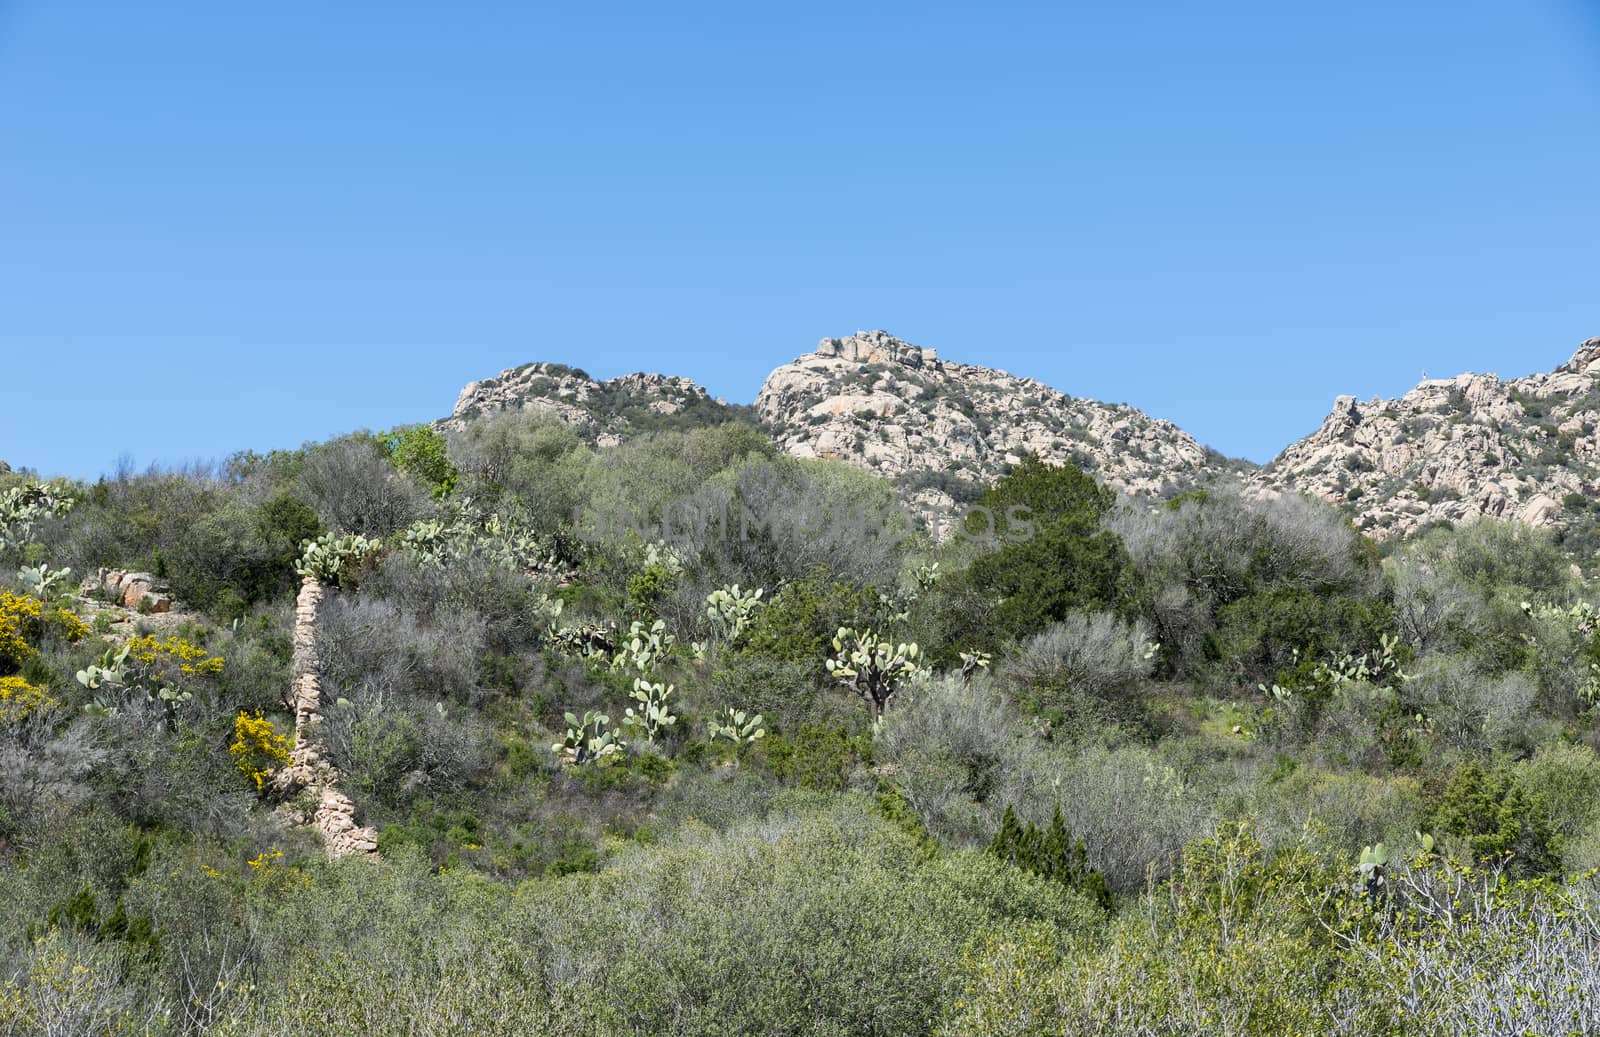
[670,732]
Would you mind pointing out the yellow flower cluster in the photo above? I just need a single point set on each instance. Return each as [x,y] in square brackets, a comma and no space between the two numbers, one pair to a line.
[18,698]
[257,747]
[70,626]
[191,659]
[24,619]
[19,616]
[264,860]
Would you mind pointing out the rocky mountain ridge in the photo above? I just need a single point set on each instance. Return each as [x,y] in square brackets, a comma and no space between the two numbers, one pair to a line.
[1453,449]
[603,412]
[875,400]
[1450,450]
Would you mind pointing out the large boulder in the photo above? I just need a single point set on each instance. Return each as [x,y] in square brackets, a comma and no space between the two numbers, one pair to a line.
[136,591]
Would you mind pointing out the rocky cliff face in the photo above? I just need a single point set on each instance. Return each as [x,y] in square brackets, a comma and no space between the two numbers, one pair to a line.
[1454,449]
[874,400]
[603,412]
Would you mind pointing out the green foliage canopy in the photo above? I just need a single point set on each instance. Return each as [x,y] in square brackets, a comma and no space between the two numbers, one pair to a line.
[1069,562]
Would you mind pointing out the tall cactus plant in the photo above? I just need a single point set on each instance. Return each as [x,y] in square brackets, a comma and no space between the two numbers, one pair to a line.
[737,727]
[652,717]
[731,611]
[334,559]
[875,668]
[645,647]
[23,507]
[588,739]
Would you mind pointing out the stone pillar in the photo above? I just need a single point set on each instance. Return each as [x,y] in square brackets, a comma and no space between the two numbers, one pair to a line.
[332,813]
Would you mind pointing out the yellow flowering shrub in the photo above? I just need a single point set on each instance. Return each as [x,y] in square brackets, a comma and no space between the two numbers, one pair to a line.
[19,619]
[271,871]
[189,658]
[18,699]
[257,747]
[24,620]
[264,860]
[67,625]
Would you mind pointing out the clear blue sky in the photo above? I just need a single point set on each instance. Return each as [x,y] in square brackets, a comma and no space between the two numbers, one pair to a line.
[226,225]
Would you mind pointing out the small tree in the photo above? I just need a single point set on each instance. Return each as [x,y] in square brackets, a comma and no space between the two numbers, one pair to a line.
[422,451]
[1050,853]
[1054,556]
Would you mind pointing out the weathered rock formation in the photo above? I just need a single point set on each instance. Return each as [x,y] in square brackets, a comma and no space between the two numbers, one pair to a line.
[1454,449]
[874,400]
[603,412]
[1449,450]
[137,591]
[309,780]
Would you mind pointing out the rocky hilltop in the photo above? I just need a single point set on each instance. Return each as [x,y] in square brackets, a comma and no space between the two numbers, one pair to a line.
[1450,450]
[940,429]
[1453,449]
[603,412]
[877,401]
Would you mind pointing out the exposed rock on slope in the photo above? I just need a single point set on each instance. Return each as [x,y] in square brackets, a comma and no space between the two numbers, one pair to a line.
[130,590]
[1457,448]
[874,400]
[939,428]
[603,412]
[1449,450]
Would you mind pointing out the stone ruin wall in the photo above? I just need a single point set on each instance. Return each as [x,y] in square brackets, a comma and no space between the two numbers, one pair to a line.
[309,781]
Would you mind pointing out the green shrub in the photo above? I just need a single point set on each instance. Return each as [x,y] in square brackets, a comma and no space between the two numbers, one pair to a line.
[1564,780]
[885,926]
[1488,815]
[1050,853]
[816,757]
[799,623]
[1272,630]
[1233,946]
[1068,563]
[421,451]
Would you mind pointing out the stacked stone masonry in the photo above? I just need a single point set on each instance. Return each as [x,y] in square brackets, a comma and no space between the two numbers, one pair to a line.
[309,781]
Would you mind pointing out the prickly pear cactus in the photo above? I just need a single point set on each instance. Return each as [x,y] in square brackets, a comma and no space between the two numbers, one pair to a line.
[875,668]
[587,740]
[653,716]
[738,727]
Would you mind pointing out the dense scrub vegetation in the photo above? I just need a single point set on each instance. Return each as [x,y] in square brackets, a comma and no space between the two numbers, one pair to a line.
[686,736]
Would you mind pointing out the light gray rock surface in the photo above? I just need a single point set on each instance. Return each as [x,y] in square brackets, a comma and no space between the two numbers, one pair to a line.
[1451,449]
[1455,449]
[603,412]
[874,400]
